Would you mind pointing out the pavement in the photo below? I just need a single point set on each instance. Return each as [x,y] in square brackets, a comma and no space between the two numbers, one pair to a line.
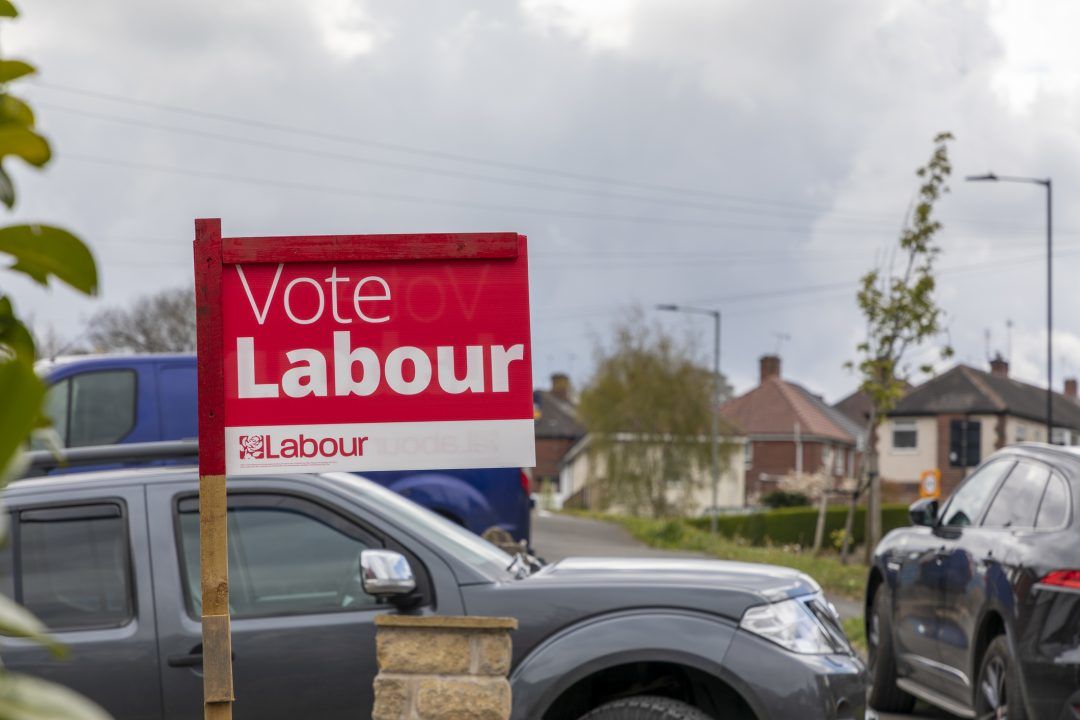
[558,536]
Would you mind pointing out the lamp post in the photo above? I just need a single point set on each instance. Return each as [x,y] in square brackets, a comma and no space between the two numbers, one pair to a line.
[715,430]
[1048,184]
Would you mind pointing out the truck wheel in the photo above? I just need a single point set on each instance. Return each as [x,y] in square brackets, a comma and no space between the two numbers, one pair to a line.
[884,693]
[646,707]
[997,694]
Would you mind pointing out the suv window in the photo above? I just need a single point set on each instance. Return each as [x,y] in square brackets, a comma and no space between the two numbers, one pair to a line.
[72,566]
[967,503]
[1018,499]
[1054,509]
[287,556]
[101,407]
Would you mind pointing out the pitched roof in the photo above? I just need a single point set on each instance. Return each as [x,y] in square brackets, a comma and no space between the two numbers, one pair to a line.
[857,405]
[555,417]
[776,406]
[964,389]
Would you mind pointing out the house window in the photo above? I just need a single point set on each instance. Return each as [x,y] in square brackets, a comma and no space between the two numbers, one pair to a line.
[965,443]
[826,457]
[904,435]
[838,465]
[1021,433]
[748,453]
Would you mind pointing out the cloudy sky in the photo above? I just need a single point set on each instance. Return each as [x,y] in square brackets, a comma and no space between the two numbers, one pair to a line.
[751,156]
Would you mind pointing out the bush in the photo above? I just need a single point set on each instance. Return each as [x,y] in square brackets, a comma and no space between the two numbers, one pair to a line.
[782,499]
[796,525]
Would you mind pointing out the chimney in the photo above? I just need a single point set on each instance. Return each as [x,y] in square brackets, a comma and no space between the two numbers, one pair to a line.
[560,386]
[999,366]
[1070,389]
[770,367]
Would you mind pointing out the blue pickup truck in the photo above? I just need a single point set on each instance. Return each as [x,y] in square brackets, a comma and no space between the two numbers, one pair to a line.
[104,400]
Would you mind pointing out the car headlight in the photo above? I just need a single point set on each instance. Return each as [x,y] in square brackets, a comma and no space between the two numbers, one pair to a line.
[795,625]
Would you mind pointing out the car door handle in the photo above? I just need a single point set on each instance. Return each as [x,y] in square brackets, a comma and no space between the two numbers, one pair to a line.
[191,659]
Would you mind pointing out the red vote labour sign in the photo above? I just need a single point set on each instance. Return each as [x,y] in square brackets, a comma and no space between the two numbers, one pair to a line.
[375,353]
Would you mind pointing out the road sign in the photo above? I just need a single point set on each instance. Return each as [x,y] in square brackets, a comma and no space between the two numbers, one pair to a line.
[930,484]
[356,352]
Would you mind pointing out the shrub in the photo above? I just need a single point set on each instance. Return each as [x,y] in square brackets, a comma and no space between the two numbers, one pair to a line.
[782,499]
[796,525]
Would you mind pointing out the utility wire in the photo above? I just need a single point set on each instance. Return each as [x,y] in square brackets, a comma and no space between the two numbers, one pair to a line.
[443,155]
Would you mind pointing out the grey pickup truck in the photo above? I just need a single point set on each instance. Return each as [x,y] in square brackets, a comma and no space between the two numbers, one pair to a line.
[109,561]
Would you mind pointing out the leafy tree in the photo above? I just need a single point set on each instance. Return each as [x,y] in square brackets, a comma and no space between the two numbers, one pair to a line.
[40,252]
[647,409]
[162,322]
[902,317]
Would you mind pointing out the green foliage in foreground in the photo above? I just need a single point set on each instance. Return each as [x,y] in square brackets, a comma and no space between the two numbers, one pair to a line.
[834,577]
[43,254]
[796,525]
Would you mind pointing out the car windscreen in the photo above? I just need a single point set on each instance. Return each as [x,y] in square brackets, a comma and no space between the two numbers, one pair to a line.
[434,529]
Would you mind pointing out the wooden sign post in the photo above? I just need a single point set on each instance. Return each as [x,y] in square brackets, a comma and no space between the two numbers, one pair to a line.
[350,353]
[213,530]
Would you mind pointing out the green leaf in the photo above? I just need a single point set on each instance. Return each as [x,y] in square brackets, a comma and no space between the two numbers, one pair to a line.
[17,622]
[23,393]
[17,139]
[28,698]
[12,109]
[15,69]
[7,9]
[7,189]
[13,334]
[41,251]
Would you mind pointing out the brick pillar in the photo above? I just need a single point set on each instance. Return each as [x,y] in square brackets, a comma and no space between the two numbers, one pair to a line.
[442,668]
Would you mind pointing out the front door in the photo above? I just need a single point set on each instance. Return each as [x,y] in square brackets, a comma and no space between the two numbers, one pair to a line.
[303,630]
[963,552]
[82,566]
[984,559]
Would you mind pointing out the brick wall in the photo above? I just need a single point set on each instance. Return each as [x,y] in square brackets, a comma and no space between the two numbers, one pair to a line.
[549,455]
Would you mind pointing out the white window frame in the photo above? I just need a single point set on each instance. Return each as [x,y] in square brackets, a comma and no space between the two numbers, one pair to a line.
[903,425]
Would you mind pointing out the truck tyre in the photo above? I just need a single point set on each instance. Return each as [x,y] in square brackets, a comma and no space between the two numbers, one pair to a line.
[884,693]
[646,707]
[997,694]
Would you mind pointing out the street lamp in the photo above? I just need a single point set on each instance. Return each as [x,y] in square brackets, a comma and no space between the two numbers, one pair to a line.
[1046,183]
[715,314]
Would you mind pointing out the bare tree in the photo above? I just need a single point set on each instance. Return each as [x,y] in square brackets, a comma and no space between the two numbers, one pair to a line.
[162,322]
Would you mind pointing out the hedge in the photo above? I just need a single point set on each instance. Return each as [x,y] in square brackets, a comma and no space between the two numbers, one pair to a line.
[796,526]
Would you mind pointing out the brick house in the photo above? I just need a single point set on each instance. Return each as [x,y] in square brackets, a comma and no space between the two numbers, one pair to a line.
[557,429]
[957,419]
[792,433]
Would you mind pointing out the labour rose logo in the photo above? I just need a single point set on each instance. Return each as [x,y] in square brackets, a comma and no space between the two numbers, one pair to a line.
[251,447]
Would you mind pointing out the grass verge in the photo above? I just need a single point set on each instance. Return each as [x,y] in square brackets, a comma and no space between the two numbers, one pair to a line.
[835,578]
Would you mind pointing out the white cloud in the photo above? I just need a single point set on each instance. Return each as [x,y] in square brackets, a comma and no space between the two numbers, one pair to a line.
[601,24]
[1041,55]
[348,28]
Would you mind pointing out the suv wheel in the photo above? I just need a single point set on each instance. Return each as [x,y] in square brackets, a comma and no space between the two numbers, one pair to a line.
[884,694]
[997,694]
[646,707]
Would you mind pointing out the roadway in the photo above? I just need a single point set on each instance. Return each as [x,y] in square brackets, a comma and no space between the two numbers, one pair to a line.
[559,536]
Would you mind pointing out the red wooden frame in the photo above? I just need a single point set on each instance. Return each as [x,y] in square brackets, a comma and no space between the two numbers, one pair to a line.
[213,252]
[344,248]
[210,358]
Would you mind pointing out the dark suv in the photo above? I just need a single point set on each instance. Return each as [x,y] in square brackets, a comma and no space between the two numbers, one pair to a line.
[976,609]
[110,562]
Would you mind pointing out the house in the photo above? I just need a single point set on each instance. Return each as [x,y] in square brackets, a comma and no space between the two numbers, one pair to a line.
[954,421]
[792,435]
[584,470]
[557,429]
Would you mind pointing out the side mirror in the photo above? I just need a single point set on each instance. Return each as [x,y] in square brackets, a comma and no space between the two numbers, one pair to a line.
[386,574]
[924,512]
